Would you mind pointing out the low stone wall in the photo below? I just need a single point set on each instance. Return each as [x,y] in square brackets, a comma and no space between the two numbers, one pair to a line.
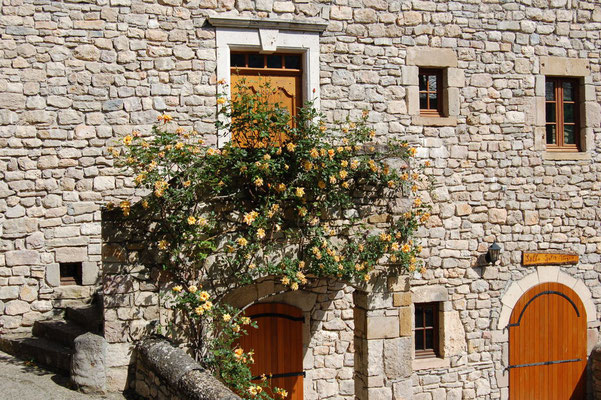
[167,372]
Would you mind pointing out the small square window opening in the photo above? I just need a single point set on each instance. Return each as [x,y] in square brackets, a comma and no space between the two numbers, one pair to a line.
[426,330]
[70,273]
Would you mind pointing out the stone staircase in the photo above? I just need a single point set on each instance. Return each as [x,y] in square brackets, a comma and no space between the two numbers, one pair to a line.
[51,345]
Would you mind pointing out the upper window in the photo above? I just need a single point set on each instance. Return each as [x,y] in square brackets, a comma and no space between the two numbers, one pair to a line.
[426,330]
[281,73]
[430,92]
[561,114]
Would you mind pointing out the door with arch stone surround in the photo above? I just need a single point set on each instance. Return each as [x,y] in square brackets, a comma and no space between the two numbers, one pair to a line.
[547,345]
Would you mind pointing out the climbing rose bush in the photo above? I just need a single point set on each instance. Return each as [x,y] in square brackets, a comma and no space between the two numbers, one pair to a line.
[293,198]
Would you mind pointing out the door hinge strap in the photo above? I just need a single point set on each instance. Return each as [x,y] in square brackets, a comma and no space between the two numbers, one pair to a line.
[285,375]
[544,363]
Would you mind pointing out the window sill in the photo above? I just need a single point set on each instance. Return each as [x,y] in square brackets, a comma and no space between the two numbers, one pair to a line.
[565,155]
[430,363]
[434,121]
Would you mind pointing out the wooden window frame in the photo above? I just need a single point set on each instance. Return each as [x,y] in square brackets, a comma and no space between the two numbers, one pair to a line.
[257,70]
[431,112]
[559,145]
[433,352]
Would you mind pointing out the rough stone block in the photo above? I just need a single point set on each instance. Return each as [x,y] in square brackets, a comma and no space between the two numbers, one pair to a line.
[402,299]
[89,273]
[562,66]
[431,57]
[53,275]
[406,321]
[71,254]
[88,370]
[382,327]
[22,257]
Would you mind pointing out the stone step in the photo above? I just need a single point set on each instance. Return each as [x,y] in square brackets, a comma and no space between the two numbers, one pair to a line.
[50,354]
[89,317]
[63,332]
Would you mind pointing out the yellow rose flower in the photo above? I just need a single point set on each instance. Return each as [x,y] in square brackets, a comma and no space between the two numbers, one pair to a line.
[163,244]
[314,153]
[290,147]
[321,184]
[192,288]
[203,296]
[258,182]
[242,241]
[260,233]
[199,310]
[300,192]
[191,220]
[221,100]
[177,289]
[343,174]
[250,217]
[227,317]
[127,140]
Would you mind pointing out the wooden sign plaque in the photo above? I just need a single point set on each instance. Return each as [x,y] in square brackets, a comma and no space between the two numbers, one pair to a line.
[548,258]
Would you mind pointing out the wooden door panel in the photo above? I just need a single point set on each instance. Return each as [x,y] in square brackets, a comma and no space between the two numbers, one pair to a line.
[547,345]
[278,345]
[286,92]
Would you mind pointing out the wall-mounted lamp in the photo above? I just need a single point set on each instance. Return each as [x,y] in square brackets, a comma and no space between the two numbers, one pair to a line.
[494,251]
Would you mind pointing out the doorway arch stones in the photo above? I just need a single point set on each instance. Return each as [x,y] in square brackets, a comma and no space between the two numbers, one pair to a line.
[543,275]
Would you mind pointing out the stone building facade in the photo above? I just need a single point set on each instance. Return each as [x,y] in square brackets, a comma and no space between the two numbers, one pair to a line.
[76,76]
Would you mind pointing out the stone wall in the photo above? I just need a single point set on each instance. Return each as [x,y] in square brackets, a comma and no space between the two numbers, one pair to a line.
[77,76]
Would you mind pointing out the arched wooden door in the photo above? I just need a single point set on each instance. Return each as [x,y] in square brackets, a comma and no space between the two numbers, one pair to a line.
[547,345]
[278,346]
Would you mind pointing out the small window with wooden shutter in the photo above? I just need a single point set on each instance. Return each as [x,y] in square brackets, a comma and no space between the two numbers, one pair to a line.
[426,335]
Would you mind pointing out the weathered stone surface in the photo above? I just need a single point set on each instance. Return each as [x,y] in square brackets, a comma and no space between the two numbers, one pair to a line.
[22,257]
[88,369]
[71,254]
[181,372]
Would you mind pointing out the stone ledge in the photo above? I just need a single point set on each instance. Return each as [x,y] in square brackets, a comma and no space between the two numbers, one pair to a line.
[184,375]
[433,121]
[566,156]
[430,363]
[271,23]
